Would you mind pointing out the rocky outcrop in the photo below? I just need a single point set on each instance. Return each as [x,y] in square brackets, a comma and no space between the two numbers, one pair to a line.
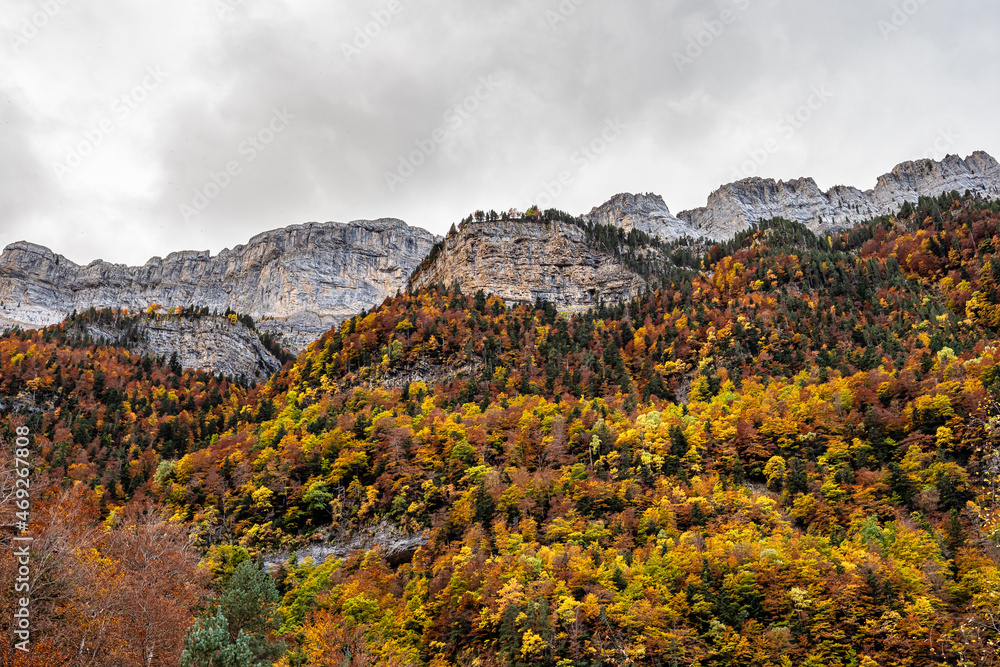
[734,207]
[297,281]
[210,343]
[979,173]
[525,260]
[645,213]
[397,546]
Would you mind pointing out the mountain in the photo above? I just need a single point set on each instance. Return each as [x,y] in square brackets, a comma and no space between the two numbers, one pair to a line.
[554,258]
[224,345]
[646,213]
[788,454]
[531,258]
[734,207]
[297,281]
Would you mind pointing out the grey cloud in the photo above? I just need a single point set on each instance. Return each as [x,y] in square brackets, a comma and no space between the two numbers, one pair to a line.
[567,66]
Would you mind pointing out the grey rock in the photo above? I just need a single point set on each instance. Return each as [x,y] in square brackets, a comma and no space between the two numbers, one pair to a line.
[211,343]
[297,281]
[644,212]
[525,260]
[397,546]
[734,207]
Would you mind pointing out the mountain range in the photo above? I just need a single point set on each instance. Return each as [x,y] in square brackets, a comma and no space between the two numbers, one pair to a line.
[784,450]
[299,281]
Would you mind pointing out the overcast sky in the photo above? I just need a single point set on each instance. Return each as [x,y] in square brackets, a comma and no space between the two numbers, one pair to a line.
[133,128]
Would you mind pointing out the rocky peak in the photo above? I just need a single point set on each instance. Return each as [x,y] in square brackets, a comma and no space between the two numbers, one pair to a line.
[978,173]
[528,259]
[645,212]
[734,207]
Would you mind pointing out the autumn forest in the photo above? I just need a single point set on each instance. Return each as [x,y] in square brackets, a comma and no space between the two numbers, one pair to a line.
[785,453]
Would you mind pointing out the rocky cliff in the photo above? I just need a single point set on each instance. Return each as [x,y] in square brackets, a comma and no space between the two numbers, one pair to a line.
[301,280]
[396,545]
[525,260]
[734,207]
[646,213]
[211,343]
[297,281]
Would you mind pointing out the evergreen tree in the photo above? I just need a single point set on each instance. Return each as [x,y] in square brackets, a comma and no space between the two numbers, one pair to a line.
[208,644]
[250,605]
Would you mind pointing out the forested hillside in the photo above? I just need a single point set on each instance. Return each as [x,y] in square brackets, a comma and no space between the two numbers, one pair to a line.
[786,454]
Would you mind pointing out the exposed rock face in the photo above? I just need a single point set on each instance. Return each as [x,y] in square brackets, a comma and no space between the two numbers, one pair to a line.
[297,281]
[397,546]
[979,173]
[524,260]
[734,207]
[646,213]
[211,343]
[301,280]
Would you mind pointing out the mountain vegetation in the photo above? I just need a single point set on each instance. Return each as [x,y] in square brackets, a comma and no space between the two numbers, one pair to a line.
[786,452]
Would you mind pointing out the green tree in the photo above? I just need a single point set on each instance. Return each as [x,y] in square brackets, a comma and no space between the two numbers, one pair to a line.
[208,644]
[250,605]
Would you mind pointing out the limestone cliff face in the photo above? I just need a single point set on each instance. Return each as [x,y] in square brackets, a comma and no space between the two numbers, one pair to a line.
[978,173]
[210,343]
[297,281]
[396,545]
[734,207]
[301,280]
[524,260]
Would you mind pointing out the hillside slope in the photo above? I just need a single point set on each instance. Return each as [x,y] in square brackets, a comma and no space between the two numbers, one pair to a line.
[787,457]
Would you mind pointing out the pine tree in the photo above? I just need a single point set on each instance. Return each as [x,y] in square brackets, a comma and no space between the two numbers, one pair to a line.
[250,606]
[208,644]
